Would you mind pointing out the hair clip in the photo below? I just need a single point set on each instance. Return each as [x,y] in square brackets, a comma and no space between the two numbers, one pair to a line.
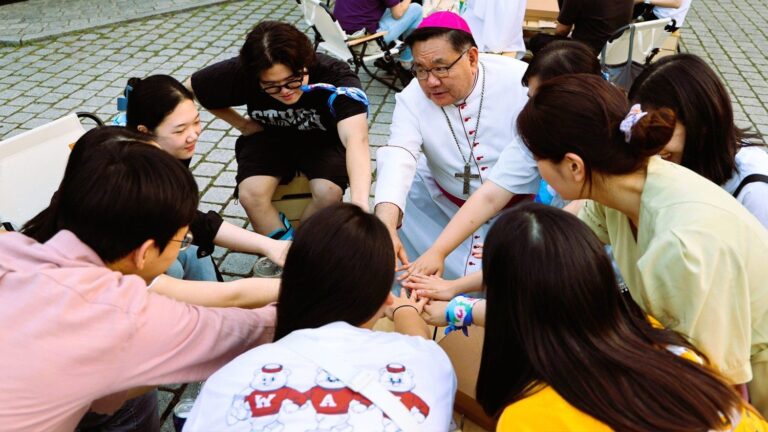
[633,116]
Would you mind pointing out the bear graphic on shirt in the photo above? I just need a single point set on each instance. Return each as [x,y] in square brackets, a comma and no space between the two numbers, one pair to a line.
[332,401]
[267,397]
[399,381]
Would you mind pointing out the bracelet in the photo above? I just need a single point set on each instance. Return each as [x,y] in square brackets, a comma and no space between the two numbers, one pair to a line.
[402,306]
[458,313]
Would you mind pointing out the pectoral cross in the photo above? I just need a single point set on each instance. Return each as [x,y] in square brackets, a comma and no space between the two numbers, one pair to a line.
[467,175]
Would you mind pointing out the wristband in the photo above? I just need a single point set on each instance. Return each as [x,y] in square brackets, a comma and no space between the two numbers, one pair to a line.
[402,306]
[458,313]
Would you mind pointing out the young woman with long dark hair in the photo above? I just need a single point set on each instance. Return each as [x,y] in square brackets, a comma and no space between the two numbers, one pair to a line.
[335,287]
[706,139]
[690,254]
[565,350]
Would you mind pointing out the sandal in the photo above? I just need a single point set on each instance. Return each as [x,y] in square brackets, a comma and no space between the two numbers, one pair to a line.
[285,233]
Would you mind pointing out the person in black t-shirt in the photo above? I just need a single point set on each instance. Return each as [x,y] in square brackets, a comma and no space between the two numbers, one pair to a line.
[288,129]
[593,21]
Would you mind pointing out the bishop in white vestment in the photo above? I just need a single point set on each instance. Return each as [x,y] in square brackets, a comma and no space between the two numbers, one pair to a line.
[440,152]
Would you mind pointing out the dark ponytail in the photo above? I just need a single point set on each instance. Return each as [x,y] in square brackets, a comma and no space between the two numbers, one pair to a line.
[652,132]
[588,112]
[152,99]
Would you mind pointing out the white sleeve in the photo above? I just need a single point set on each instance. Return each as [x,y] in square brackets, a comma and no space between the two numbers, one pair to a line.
[396,162]
[516,170]
[754,197]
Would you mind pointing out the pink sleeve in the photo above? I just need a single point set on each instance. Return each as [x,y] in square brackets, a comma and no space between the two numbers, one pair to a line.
[174,342]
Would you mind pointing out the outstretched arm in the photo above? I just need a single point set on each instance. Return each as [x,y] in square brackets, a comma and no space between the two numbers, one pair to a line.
[479,208]
[390,214]
[235,238]
[353,132]
[437,288]
[406,311]
[434,313]
[244,293]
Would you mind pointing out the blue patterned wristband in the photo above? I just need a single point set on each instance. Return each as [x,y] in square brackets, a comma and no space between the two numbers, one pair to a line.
[458,313]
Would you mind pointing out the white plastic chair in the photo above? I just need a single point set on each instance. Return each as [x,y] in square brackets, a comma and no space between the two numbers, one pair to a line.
[632,47]
[355,51]
[31,167]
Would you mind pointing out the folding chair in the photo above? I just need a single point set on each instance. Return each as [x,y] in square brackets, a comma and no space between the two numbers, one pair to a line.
[464,353]
[356,51]
[32,165]
[631,48]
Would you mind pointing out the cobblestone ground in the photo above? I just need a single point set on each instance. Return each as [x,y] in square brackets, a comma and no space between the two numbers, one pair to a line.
[38,19]
[732,36]
[86,71]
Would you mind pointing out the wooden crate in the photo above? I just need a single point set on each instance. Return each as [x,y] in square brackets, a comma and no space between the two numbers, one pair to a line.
[293,198]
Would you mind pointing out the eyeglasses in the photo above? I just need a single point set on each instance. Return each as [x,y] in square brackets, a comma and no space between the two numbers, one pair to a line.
[438,72]
[186,241]
[293,84]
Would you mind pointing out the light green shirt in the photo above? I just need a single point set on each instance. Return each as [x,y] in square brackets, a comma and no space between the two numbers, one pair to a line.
[699,264]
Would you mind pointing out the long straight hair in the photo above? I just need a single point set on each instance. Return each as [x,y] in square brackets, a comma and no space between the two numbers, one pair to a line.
[685,84]
[340,267]
[555,316]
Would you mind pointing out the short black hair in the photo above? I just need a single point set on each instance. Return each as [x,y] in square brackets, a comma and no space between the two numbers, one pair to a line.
[275,42]
[118,191]
[562,57]
[340,267]
[459,40]
[152,99]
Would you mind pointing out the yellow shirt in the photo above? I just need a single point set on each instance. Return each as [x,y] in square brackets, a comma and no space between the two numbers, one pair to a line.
[699,264]
[547,411]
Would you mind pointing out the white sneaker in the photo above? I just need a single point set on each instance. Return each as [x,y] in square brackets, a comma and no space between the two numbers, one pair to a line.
[265,268]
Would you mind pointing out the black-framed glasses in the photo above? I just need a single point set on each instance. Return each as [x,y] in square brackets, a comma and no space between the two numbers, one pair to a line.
[293,84]
[186,241]
[438,72]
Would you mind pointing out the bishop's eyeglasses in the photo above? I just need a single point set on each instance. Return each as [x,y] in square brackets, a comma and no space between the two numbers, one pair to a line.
[439,71]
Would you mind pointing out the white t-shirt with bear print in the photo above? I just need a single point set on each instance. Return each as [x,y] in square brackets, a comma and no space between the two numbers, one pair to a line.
[271,388]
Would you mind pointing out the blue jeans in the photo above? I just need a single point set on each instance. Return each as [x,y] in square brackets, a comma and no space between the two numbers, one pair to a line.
[396,28]
[189,267]
[139,414]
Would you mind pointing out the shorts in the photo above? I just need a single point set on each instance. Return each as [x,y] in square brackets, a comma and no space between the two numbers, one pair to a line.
[283,155]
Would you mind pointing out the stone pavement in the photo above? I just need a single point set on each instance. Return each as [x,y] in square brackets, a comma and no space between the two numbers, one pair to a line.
[34,20]
[731,35]
[85,71]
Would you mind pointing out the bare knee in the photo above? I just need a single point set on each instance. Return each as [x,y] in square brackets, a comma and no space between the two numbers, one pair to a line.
[327,195]
[256,194]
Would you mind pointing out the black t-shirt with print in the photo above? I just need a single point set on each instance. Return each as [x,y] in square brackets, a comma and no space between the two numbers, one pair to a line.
[595,20]
[227,84]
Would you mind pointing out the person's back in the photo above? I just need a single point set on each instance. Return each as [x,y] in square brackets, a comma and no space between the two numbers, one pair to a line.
[78,327]
[336,286]
[565,349]
[272,385]
[594,20]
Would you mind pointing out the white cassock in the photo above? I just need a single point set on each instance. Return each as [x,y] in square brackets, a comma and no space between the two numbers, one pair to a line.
[497,25]
[419,126]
